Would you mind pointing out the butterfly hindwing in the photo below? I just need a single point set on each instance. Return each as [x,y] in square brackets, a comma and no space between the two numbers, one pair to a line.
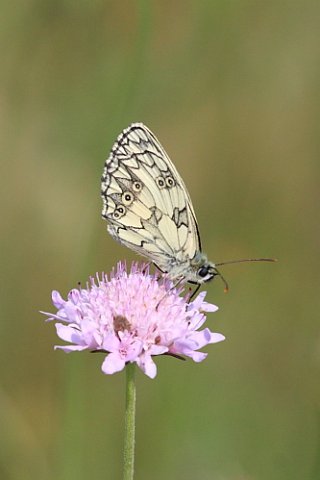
[146,202]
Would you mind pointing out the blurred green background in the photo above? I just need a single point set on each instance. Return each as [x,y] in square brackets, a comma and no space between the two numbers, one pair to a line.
[231,88]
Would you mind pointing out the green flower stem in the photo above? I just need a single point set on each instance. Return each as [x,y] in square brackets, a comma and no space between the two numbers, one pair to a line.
[129,429]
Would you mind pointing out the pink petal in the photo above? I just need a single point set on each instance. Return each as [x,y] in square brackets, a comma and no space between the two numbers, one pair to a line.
[113,363]
[208,307]
[147,365]
[197,302]
[70,348]
[157,350]
[68,333]
[52,316]
[133,350]
[111,342]
[57,300]
[217,337]
[201,338]
[197,356]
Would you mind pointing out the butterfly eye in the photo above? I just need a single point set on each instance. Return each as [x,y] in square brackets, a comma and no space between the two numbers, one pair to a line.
[203,272]
[119,212]
[137,186]
[127,198]
[169,182]
[161,182]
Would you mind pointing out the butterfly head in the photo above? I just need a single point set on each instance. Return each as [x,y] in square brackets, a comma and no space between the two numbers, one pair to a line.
[206,272]
[202,270]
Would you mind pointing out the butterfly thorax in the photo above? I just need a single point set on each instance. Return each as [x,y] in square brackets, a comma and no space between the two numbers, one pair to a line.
[197,270]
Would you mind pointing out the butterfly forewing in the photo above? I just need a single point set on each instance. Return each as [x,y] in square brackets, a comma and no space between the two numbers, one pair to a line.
[146,202]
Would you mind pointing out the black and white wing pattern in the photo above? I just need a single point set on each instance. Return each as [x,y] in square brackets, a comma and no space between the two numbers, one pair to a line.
[148,207]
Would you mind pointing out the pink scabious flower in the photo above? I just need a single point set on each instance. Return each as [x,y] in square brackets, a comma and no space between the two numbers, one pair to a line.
[133,316]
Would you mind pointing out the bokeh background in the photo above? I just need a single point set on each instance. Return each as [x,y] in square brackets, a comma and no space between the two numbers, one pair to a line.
[231,88]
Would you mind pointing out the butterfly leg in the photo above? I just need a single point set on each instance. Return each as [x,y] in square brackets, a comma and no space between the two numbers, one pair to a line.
[195,291]
[171,289]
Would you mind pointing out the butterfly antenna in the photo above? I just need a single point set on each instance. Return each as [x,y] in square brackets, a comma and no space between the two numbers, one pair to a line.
[226,286]
[246,260]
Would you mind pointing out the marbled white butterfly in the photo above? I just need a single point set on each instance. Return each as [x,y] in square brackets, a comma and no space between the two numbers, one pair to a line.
[149,209]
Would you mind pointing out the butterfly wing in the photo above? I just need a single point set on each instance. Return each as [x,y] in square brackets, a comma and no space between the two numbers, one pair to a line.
[146,203]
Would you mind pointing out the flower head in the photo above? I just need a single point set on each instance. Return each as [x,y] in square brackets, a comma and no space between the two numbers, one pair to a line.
[133,316]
